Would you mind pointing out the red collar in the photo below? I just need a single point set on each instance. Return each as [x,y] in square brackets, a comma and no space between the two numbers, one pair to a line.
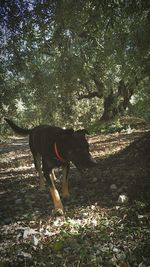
[58,157]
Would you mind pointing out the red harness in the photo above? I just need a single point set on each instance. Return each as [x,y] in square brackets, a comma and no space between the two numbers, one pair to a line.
[58,157]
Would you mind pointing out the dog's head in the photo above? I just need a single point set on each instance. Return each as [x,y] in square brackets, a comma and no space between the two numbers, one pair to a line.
[78,149]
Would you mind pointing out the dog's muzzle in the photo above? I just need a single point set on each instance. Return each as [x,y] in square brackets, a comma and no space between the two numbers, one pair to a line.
[84,166]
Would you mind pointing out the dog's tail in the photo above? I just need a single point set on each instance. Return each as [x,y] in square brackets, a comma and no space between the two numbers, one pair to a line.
[17,129]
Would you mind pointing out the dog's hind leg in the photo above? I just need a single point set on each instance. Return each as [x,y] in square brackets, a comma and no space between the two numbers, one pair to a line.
[65,181]
[37,161]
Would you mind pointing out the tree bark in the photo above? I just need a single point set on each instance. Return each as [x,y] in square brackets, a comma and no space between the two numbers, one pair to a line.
[115,104]
[110,109]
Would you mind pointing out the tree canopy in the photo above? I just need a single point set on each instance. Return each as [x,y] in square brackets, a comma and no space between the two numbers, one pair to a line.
[74,61]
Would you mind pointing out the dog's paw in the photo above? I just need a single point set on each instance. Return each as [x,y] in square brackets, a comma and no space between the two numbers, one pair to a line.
[58,212]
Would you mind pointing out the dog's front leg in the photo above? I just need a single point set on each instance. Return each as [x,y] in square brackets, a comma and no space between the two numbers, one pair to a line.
[65,190]
[55,195]
[50,179]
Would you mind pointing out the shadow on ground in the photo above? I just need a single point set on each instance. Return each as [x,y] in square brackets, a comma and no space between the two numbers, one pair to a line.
[120,162]
[127,168]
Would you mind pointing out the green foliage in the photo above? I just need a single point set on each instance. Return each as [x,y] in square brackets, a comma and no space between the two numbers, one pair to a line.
[56,53]
[140,106]
[98,127]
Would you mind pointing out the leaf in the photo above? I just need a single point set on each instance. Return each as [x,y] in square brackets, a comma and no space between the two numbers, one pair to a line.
[58,245]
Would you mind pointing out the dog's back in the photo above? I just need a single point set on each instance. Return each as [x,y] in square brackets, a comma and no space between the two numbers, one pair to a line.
[42,138]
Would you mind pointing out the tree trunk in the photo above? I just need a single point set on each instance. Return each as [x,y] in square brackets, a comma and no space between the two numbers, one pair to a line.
[110,109]
[115,104]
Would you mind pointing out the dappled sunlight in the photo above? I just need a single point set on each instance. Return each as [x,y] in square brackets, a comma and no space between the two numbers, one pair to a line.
[81,67]
[95,228]
[104,145]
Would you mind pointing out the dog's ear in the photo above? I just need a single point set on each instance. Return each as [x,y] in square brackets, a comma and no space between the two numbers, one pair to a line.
[82,131]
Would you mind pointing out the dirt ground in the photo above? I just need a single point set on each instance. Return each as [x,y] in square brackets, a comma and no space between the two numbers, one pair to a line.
[106,220]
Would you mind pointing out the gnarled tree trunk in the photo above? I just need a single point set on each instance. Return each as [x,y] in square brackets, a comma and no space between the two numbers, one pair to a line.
[115,104]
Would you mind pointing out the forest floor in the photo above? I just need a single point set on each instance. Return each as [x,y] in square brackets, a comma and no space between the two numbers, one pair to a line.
[107,218]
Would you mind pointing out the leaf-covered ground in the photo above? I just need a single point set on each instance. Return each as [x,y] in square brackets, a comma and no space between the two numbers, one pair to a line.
[106,220]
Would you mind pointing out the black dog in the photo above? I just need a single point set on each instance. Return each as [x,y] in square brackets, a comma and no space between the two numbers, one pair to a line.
[56,147]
